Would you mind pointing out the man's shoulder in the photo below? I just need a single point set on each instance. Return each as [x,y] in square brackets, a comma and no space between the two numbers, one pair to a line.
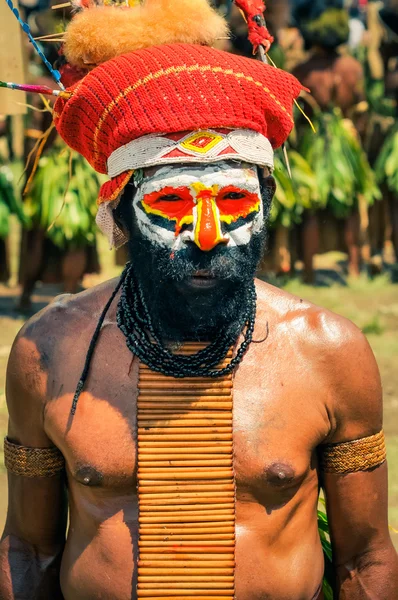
[70,310]
[46,344]
[311,325]
[313,63]
[69,316]
[347,63]
[332,351]
[319,67]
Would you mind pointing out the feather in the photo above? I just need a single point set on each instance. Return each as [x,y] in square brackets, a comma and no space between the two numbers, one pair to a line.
[79,5]
[253,12]
[104,32]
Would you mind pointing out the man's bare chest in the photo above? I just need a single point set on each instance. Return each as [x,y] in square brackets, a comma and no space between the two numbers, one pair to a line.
[276,425]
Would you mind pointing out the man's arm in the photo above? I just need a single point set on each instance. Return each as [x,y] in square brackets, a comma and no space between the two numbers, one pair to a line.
[33,540]
[366,563]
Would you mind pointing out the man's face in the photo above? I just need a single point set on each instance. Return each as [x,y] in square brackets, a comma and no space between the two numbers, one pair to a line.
[208,206]
[196,237]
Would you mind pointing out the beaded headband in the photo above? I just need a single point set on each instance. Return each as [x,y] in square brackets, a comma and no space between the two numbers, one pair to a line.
[205,146]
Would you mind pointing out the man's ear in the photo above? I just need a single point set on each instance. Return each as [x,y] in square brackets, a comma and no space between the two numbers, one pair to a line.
[118,220]
[121,213]
[267,181]
[270,183]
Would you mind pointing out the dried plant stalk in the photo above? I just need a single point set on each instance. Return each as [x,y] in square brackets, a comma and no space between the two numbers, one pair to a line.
[186,486]
[196,385]
[222,485]
[185,585]
[195,437]
[183,405]
[152,561]
[197,578]
[220,462]
[187,538]
[178,448]
[182,456]
[181,571]
[188,498]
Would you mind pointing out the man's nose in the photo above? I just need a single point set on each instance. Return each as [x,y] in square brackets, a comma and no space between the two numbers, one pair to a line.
[207,226]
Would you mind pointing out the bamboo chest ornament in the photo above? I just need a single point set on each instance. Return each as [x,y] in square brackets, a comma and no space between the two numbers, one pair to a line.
[186,487]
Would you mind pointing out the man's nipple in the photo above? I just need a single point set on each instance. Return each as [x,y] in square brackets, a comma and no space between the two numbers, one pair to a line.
[280,474]
[89,476]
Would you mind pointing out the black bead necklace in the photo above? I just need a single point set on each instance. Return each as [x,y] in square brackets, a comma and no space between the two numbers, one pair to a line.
[135,322]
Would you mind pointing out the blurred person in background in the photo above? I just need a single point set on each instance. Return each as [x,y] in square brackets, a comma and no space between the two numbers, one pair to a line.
[380,130]
[344,177]
[58,243]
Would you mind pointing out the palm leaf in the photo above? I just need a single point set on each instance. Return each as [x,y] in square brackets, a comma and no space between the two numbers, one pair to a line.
[323,528]
[9,205]
[340,165]
[62,198]
[387,162]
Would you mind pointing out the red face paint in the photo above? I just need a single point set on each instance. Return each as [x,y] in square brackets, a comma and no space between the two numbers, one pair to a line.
[173,204]
[213,207]
[233,208]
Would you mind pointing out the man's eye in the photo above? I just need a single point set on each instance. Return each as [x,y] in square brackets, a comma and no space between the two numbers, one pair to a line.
[169,198]
[234,196]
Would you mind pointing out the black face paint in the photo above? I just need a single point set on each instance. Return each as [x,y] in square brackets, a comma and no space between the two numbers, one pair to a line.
[180,310]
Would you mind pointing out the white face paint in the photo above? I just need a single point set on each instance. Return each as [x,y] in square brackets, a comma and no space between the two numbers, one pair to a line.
[207,205]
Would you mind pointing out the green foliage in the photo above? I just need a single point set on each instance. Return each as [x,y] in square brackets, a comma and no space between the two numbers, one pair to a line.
[375,89]
[387,163]
[8,202]
[277,55]
[323,528]
[340,165]
[373,327]
[377,100]
[62,198]
[294,195]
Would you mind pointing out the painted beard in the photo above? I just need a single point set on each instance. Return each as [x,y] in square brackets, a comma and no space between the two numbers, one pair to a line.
[192,294]
[182,308]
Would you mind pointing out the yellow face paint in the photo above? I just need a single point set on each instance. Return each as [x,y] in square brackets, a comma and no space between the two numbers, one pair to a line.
[207,225]
[222,208]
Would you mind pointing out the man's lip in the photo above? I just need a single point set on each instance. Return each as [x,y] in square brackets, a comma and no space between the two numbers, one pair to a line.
[204,283]
[201,280]
[203,274]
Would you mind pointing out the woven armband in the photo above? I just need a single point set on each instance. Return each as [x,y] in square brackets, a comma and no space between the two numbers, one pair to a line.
[32,462]
[351,457]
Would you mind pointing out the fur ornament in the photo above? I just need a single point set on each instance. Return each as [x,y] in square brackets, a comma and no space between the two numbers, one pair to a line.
[100,33]
[253,11]
[79,5]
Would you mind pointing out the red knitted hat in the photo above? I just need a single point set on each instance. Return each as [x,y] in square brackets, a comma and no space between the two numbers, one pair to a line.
[170,89]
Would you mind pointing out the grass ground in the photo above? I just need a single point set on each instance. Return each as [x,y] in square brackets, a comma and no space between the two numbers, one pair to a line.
[371,304]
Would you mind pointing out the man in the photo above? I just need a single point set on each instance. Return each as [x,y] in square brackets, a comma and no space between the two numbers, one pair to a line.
[191,449]
[380,131]
[335,81]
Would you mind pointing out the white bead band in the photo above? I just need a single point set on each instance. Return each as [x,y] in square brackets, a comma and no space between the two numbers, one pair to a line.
[200,146]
